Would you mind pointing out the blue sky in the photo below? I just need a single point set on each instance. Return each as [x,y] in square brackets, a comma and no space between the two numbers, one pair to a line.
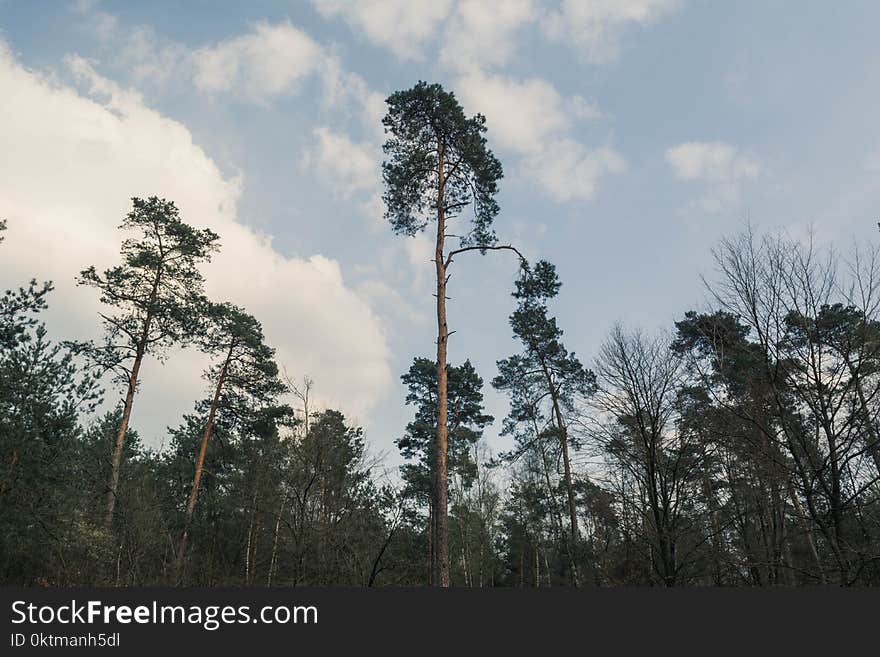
[634,134]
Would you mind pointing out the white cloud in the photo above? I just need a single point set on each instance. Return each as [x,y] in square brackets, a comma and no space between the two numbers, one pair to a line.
[348,167]
[392,302]
[276,59]
[343,88]
[521,115]
[480,34]
[149,59]
[401,26]
[570,172]
[138,50]
[78,161]
[483,34]
[270,60]
[533,120]
[594,27]
[712,162]
[722,167]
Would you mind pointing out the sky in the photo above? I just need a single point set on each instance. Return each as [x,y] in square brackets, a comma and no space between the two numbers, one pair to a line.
[634,134]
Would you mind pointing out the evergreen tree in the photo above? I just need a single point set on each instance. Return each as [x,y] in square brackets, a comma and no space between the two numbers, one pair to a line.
[438,164]
[44,391]
[244,377]
[152,296]
[467,420]
[545,374]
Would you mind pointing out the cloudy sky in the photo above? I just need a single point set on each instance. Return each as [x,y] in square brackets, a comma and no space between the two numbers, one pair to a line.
[633,134]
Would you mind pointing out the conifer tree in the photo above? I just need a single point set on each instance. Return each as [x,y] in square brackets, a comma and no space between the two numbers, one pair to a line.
[245,376]
[439,164]
[545,374]
[151,298]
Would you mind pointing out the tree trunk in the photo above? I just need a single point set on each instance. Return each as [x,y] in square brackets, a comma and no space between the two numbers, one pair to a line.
[274,561]
[811,540]
[873,440]
[250,556]
[116,461]
[440,565]
[140,350]
[569,486]
[715,524]
[537,568]
[200,462]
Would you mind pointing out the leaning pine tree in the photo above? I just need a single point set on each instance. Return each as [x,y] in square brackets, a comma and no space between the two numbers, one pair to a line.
[438,164]
[152,296]
[545,374]
[244,375]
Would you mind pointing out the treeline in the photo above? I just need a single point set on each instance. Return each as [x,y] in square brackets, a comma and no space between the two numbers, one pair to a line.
[741,448]
[738,448]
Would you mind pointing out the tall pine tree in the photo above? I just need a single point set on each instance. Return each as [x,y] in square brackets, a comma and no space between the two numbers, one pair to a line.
[152,299]
[439,164]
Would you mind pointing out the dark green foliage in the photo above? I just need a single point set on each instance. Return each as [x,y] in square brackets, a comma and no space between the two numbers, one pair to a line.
[19,307]
[235,339]
[422,123]
[545,370]
[742,450]
[545,382]
[44,389]
[152,296]
[466,423]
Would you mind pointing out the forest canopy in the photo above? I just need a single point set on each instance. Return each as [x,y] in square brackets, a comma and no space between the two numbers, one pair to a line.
[738,446]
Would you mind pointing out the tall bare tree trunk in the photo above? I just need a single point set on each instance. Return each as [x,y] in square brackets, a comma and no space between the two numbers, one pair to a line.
[555,515]
[200,462]
[569,486]
[431,529]
[116,460]
[140,350]
[274,561]
[440,565]
[250,555]
[537,568]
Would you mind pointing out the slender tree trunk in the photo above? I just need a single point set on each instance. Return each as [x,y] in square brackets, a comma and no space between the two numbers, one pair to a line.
[537,568]
[116,460]
[250,556]
[716,537]
[431,529]
[247,552]
[808,530]
[522,569]
[440,565]
[555,515]
[274,561]
[873,440]
[140,350]
[569,486]
[200,462]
